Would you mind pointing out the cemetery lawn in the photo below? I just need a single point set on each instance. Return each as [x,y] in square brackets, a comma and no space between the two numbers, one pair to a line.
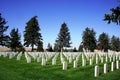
[11,69]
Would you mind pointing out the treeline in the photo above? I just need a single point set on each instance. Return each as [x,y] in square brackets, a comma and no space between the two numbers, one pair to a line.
[33,37]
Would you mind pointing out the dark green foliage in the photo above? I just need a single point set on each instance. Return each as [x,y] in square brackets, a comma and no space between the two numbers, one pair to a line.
[49,48]
[15,43]
[74,50]
[114,16]
[80,48]
[103,42]
[88,39]
[3,38]
[40,46]
[31,34]
[115,43]
[63,39]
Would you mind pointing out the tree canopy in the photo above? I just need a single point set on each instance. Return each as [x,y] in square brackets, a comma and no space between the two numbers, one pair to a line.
[114,16]
[88,39]
[103,42]
[32,36]
[115,43]
[63,39]
[3,28]
[15,42]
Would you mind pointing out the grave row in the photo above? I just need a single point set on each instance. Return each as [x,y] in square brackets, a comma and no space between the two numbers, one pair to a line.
[113,67]
[74,58]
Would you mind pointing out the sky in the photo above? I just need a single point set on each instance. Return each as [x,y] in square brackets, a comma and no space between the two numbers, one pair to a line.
[77,14]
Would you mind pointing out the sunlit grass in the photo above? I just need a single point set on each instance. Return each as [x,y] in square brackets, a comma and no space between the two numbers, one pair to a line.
[11,69]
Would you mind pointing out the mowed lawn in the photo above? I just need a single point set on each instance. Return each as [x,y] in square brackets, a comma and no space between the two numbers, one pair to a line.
[11,69]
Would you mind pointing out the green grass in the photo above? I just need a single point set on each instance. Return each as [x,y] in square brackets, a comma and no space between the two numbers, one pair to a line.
[11,69]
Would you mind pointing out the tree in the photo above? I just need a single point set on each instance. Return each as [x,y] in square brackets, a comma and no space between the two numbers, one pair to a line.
[3,38]
[115,43]
[119,44]
[49,47]
[32,36]
[80,47]
[88,39]
[114,16]
[74,50]
[63,39]
[40,46]
[15,42]
[103,42]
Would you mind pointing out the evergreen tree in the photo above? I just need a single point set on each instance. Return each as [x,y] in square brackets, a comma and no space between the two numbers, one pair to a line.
[63,39]
[119,44]
[32,36]
[114,16]
[80,47]
[49,47]
[15,42]
[57,46]
[88,39]
[74,50]
[115,43]
[40,46]
[103,42]
[3,38]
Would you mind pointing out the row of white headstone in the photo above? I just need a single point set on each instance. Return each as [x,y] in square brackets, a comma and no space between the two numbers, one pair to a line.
[70,56]
[104,57]
[8,54]
[97,69]
[41,57]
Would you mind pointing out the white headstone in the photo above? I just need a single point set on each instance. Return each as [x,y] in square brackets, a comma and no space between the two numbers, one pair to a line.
[77,58]
[64,65]
[96,73]
[70,59]
[105,68]
[75,64]
[96,59]
[91,61]
[19,56]
[43,62]
[83,62]
[106,58]
[117,64]
[112,66]
[53,61]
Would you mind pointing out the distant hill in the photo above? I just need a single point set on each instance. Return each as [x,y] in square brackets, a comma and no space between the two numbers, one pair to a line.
[5,49]
[2,49]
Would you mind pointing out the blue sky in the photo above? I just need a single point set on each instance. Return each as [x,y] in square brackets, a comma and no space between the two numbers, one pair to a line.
[78,14]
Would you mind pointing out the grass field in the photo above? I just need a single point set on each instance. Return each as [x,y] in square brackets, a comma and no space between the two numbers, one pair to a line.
[11,69]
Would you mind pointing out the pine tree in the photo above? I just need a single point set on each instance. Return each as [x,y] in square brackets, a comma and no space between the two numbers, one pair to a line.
[80,47]
[74,50]
[40,46]
[15,42]
[88,39]
[103,42]
[49,47]
[32,36]
[3,38]
[63,39]
[115,43]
